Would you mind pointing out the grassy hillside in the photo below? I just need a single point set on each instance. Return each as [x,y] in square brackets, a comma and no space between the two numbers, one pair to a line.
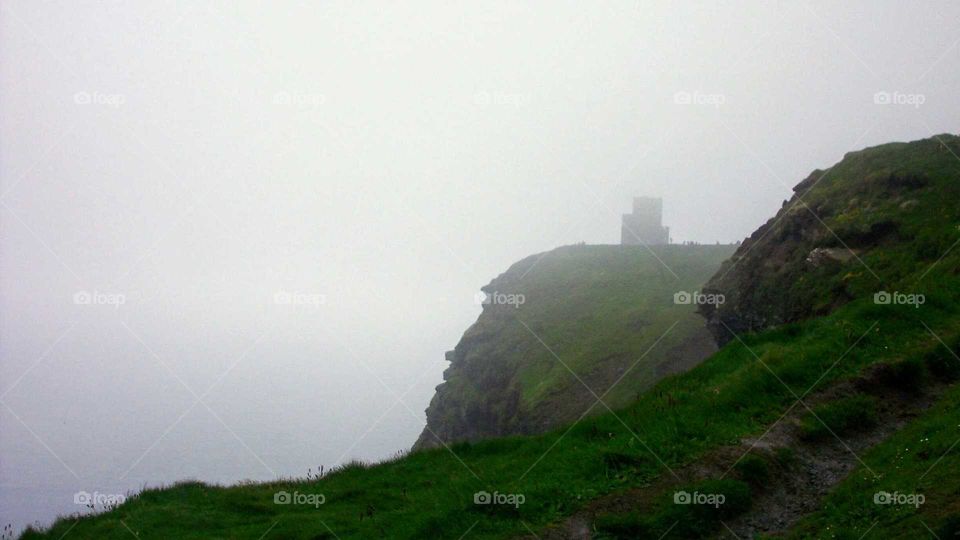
[431,493]
[879,216]
[841,372]
[918,460]
[601,317]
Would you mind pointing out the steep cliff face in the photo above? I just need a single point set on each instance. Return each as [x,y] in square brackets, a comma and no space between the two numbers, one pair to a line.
[566,327]
[855,229]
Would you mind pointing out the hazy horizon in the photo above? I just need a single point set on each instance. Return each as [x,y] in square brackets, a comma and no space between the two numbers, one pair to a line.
[374,165]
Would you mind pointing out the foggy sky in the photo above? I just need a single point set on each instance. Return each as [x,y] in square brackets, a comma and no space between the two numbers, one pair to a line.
[381,161]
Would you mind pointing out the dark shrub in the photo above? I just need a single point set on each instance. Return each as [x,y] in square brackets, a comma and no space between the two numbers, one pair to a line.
[840,416]
[754,470]
[908,375]
[623,526]
[618,461]
[700,520]
[785,456]
[942,363]
[950,528]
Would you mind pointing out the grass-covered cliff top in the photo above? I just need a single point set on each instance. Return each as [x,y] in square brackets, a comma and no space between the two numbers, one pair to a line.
[602,317]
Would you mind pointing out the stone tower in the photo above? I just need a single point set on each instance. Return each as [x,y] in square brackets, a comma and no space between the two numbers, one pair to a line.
[645,225]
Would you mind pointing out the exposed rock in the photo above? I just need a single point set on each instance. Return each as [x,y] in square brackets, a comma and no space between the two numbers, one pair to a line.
[820,256]
[908,204]
[811,257]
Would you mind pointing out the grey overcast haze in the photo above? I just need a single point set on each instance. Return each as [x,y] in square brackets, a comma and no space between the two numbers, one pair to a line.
[280,212]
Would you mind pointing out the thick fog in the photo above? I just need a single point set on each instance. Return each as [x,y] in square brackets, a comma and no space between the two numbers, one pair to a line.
[236,238]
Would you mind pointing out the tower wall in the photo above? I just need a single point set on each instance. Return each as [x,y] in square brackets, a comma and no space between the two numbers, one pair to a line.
[645,225]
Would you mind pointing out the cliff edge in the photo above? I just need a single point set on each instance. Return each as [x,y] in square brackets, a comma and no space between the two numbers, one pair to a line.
[563,328]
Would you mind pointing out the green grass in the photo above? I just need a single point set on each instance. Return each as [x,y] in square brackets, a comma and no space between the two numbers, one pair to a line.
[840,417]
[595,302]
[753,470]
[920,459]
[430,493]
[721,499]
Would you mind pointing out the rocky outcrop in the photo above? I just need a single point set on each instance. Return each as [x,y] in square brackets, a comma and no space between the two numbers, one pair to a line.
[815,254]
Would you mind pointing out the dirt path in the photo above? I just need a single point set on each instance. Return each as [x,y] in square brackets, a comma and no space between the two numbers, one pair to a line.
[794,489]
